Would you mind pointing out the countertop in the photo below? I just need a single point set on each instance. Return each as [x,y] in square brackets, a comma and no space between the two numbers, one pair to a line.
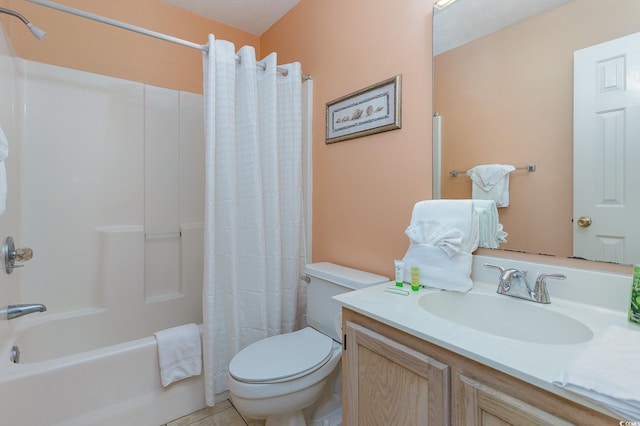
[535,363]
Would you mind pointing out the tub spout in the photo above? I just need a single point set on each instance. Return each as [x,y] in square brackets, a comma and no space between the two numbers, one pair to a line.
[16,311]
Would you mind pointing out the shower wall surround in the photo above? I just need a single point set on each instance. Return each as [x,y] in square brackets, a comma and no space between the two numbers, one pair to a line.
[106,178]
[9,99]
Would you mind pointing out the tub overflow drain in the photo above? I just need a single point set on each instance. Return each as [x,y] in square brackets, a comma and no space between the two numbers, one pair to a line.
[15,355]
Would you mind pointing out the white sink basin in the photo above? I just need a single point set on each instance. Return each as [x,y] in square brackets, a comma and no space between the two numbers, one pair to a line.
[507,317]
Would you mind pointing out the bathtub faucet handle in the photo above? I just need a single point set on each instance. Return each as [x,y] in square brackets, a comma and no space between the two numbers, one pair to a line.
[23,254]
[11,255]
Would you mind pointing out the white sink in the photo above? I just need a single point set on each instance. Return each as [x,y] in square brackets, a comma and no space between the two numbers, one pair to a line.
[507,317]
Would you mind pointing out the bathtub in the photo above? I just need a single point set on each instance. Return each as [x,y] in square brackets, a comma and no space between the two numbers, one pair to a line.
[75,381]
[117,231]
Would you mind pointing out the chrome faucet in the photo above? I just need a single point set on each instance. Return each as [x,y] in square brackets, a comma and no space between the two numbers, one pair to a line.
[508,286]
[16,311]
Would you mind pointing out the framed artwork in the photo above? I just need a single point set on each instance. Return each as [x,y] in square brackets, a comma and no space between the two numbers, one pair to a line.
[374,109]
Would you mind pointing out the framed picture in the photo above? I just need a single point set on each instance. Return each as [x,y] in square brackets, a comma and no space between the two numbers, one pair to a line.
[374,109]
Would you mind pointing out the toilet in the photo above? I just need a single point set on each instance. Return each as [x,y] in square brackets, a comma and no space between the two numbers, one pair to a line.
[294,379]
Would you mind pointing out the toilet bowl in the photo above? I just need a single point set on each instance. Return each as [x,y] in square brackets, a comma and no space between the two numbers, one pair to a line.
[292,379]
[282,397]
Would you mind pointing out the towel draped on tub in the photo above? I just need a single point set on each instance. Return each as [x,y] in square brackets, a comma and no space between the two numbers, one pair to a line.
[179,353]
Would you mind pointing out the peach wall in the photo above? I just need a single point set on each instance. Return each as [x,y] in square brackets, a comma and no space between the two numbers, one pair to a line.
[364,189]
[79,43]
[508,98]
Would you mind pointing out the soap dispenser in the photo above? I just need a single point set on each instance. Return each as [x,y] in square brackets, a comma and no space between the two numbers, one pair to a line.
[634,303]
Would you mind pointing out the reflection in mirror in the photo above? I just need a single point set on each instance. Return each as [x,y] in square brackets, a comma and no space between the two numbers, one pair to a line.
[507,97]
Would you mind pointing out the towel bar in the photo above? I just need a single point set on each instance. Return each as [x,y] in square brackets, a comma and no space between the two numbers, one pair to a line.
[529,167]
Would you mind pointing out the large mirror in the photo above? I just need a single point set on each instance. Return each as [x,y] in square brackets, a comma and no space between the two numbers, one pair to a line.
[504,94]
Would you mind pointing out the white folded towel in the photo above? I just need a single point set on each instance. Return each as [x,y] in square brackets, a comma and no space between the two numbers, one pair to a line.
[4,153]
[442,235]
[607,372]
[179,353]
[431,218]
[438,269]
[491,233]
[491,182]
[433,233]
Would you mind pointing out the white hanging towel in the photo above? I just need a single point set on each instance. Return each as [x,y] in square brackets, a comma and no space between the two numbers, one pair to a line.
[179,353]
[491,182]
[490,229]
[4,153]
[607,371]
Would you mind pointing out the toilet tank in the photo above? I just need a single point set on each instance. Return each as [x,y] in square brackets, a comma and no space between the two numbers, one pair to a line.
[325,281]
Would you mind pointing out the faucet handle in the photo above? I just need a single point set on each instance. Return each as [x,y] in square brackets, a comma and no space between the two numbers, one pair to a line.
[542,277]
[505,277]
[23,254]
[11,255]
[540,290]
[499,268]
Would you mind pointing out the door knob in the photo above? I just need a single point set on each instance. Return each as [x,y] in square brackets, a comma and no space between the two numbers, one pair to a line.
[584,221]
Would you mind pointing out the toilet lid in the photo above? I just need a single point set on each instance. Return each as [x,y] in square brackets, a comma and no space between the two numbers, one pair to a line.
[282,357]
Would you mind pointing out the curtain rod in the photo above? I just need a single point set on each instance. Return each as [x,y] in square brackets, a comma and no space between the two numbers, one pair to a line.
[139,30]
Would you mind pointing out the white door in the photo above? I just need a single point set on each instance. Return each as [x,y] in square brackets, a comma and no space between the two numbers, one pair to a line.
[606,171]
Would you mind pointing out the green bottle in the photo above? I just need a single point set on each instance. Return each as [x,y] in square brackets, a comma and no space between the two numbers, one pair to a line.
[634,306]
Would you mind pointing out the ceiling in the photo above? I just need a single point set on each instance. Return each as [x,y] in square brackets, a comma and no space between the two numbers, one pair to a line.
[467,20]
[253,16]
[462,21]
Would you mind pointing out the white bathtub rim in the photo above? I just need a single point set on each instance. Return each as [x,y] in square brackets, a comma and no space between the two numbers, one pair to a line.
[11,371]
[19,325]
[144,401]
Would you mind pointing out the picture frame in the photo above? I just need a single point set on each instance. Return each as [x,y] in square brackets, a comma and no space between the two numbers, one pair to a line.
[371,110]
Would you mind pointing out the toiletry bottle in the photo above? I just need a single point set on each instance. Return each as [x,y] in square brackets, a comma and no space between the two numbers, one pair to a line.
[634,304]
[399,265]
[415,278]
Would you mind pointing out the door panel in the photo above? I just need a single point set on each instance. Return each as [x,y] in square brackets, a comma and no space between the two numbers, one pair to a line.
[606,150]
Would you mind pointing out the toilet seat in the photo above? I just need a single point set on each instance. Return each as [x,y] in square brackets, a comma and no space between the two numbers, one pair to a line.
[282,358]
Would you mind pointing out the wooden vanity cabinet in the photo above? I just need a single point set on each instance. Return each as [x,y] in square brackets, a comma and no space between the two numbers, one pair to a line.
[388,383]
[393,378]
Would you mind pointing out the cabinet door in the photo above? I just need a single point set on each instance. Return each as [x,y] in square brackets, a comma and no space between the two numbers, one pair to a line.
[479,404]
[387,383]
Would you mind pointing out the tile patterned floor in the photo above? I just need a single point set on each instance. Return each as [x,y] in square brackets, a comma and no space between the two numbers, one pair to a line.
[221,414]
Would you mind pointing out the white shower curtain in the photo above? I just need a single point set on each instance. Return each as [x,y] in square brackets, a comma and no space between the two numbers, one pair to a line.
[254,228]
